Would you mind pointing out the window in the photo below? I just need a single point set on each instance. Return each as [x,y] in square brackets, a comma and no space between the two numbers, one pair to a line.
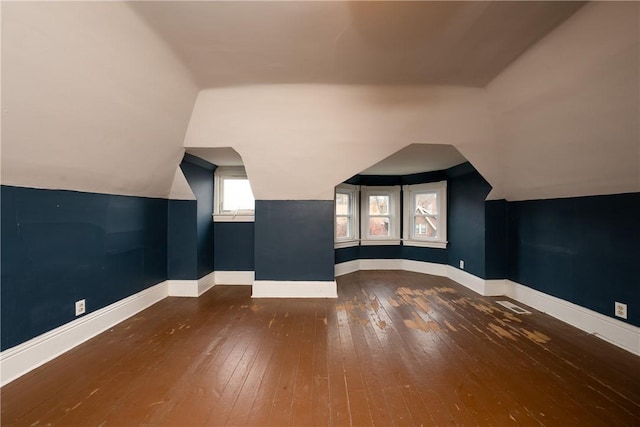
[425,215]
[233,199]
[347,225]
[381,219]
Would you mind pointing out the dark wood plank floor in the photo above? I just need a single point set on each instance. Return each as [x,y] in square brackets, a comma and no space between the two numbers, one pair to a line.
[396,348]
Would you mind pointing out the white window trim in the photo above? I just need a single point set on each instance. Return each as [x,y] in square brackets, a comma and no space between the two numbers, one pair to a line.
[354,240]
[220,174]
[394,215]
[407,235]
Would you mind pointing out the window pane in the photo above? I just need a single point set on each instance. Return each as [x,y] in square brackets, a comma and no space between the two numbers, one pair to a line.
[237,195]
[343,227]
[379,227]
[342,204]
[426,227]
[378,205]
[426,203]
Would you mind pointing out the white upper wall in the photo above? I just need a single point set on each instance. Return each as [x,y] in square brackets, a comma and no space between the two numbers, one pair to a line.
[563,120]
[568,110]
[92,100]
[299,141]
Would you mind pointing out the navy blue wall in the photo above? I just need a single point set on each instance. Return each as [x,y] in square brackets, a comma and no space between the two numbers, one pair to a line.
[496,238]
[413,253]
[182,240]
[234,246]
[62,246]
[466,192]
[294,240]
[199,175]
[585,250]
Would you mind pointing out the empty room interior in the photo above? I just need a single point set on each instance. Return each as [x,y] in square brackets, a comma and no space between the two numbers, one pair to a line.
[310,213]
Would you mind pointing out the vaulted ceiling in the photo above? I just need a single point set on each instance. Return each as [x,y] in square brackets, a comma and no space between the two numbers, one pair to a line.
[542,97]
[464,43]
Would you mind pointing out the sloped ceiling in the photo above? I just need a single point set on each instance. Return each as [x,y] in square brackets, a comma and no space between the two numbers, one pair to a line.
[540,96]
[334,42]
[92,99]
[416,158]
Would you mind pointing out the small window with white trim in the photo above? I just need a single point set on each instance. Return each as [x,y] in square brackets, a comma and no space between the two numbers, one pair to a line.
[347,224]
[233,198]
[425,215]
[381,215]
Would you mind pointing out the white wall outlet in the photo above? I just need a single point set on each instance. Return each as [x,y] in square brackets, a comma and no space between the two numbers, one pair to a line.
[461,265]
[621,310]
[80,307]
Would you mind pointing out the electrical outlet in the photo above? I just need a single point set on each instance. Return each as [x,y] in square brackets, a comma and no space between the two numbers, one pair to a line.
[461,265]
[80,307]
[621,310]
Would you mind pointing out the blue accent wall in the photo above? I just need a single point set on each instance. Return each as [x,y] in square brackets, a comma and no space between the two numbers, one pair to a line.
[584,250]
[496,239]
[199,175]
[413,253]
[435,255]
[294,240]
[466,193]
[61,246]
[182,240]
[234,246]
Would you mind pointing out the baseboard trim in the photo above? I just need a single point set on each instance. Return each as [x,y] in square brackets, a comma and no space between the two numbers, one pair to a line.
[191,288]
[294,289]
[234,277]
[380,264]
[206,282]
[183,288]
[614,331]
[18,360]
[347,267]
[424,267]
[390,264]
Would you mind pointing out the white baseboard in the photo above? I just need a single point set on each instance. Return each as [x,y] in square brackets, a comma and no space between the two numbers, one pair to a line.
[183,288]
[380,264]
[619,333]
[616,332]
[347,267]
[390,264]
[294,289]
[425,267]
[19,360]
[206,282]
[234,277]
[496,287]
[191,288]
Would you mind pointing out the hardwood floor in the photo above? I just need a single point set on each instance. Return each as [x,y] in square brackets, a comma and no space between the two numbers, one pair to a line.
[396,348]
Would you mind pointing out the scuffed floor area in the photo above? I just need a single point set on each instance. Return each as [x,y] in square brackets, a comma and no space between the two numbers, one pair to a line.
[396,348]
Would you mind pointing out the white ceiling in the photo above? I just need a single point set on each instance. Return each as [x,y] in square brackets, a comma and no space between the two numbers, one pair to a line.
[414,158]
[228,43]
[219,156]
[417,158]
[104,96]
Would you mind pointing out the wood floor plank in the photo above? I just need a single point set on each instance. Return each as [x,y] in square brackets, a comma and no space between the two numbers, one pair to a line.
[262,405]
[340,408]
[320,401]
[280,412]
[396,348]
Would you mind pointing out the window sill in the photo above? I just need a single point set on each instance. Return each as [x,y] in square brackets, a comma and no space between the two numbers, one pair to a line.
[346,244]
[380,242]
[425,244]
[233,218]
